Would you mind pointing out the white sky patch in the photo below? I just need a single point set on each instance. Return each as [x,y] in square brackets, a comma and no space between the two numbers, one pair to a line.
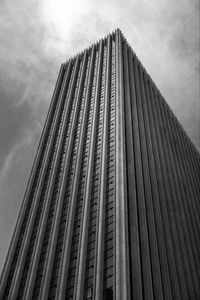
[60,18]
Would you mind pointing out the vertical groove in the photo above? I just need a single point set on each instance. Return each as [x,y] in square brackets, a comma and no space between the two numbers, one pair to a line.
[163,272]
[150,210]
[186,156]
[184,264]
[189,147]
[78,192]
[169,195]
[190,171]
[71,99]
[81,271]
[111,209]
[80,178]
[100,256]
[167,261]
[54,262]
[182,232]
[26,239]
[135,268]
[122,278]
[49,196]
[192,156]
[144,232]
[64,265]
[188,177]
[188,236]
[110,189]
[21,216]
[89,284]
[33,256]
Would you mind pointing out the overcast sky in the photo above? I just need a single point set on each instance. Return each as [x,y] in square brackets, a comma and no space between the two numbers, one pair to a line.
[37,36]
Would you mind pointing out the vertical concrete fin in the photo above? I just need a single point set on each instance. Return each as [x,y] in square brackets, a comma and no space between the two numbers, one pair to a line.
[16,233]
[70,133]
[27,235]
[48,197]
[134,241]
[67,243]
[79,292]
[122,282]
[100,236]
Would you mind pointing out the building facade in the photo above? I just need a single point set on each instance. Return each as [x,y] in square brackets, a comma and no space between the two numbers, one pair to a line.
[111,209]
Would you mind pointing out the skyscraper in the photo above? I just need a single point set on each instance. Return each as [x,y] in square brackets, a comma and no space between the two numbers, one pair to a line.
[111,209]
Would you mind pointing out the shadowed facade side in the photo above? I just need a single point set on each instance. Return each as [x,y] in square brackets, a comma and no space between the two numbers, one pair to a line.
[111,209]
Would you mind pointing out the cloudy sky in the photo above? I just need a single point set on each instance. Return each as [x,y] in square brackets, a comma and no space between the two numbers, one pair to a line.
[37,36]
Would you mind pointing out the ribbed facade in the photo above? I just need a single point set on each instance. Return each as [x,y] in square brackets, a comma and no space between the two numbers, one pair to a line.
[112,206]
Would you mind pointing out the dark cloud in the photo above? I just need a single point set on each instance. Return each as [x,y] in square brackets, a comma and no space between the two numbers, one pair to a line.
[163,33]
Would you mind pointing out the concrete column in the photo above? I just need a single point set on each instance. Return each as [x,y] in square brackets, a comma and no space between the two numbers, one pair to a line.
[163,217]
[67,245]
[192,280]
[159,212]
[53,239]
[169,195]
[150,209]
[27,237]
[36,255]
[122,282]
[101,218]
[80,278]
[16,232]
[143,225]
[134,241]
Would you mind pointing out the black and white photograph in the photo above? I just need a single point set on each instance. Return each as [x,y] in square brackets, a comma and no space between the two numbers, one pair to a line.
[100,150]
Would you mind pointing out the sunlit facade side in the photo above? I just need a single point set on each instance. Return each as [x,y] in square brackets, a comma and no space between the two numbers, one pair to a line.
[111,209]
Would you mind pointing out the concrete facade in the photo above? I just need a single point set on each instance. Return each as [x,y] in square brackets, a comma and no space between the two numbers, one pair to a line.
[111,209]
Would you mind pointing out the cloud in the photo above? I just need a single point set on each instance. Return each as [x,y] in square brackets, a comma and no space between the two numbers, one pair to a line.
[36,36]
[27,79]
[13,179]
